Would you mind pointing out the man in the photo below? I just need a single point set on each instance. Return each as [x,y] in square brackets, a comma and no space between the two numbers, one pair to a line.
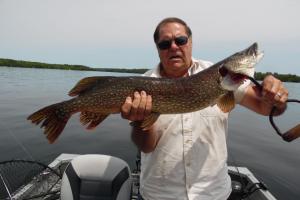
[184,155]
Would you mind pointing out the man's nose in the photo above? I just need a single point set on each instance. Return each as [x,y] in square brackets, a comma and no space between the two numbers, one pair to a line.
[174,45]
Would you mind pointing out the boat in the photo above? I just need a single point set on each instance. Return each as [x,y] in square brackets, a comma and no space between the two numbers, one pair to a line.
[23,179]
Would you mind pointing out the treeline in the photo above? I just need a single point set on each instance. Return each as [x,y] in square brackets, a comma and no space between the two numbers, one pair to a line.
[29,64]
[283,77]
[122,70]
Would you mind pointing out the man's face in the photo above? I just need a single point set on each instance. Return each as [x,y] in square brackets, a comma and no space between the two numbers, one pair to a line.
[176,59]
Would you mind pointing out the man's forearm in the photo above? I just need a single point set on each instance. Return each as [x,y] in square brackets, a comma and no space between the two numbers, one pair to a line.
[145,140]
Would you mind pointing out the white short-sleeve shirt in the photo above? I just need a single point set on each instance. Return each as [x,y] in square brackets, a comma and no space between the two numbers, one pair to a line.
[190,159]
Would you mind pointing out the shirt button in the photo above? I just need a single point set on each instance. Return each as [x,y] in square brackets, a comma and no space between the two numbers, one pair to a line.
[187,130]
[188,164]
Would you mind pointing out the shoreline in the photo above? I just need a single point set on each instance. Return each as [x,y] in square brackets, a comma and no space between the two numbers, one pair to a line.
[40,65]
[29,64]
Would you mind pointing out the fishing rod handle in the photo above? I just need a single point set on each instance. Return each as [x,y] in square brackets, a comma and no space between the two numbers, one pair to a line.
[291,134]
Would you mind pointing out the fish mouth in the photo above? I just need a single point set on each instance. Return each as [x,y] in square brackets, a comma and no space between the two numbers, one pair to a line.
[252,50]
[236,78]
[231,80]
[236,69]
[240,66]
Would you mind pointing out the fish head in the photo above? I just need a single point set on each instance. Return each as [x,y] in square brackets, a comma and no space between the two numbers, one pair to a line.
[235,69]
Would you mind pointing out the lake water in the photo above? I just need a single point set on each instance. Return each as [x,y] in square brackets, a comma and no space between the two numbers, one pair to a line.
[252,141]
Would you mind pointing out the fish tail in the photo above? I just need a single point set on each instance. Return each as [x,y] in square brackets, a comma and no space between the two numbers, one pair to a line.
[54,119]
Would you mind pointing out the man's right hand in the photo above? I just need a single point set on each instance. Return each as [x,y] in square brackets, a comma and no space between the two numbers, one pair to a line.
[138,108]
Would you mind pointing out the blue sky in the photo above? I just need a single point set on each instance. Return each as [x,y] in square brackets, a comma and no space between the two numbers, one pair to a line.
[118,33]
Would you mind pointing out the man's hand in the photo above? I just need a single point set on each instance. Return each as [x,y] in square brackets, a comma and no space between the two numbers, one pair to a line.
[135,110]
[138,108]
[274,92]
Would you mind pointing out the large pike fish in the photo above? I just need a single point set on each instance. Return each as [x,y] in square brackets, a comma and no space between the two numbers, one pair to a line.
[97,97]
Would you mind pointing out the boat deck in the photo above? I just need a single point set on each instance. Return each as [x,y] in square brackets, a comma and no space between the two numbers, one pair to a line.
[46,184]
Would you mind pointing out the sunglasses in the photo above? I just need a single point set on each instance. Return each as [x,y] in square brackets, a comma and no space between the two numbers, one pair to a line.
[166,44]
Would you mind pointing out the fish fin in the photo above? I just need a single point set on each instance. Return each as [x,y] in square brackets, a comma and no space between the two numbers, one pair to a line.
[149,120]
[226,102]
[87,83]
[54,118]
[91,118]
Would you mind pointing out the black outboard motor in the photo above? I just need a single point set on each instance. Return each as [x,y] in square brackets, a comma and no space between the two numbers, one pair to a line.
[101,177]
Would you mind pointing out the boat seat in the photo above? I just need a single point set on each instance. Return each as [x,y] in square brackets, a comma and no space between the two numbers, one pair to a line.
[93,176]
